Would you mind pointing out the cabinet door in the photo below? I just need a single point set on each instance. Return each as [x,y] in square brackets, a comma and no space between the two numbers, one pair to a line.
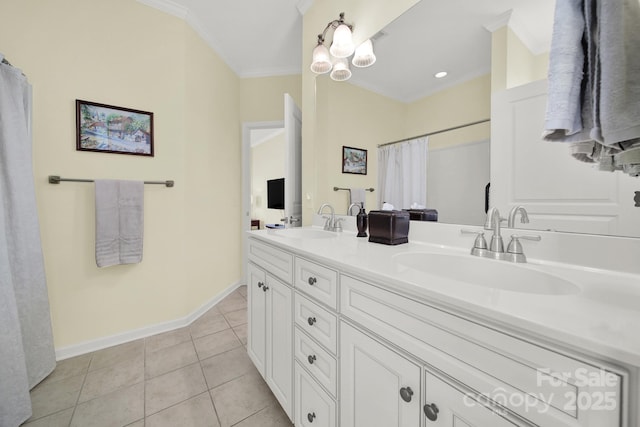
[279,341]
[379,387]
[446,406]
[257,332]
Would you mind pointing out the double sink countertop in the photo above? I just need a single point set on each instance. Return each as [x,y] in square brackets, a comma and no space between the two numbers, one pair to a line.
[592,310]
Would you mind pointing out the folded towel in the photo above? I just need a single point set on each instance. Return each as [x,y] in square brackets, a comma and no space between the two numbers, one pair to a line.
[119,222]
[594,82]
[387,207]
[358,196]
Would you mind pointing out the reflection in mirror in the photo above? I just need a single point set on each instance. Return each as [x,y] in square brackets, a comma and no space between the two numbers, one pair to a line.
[410,51]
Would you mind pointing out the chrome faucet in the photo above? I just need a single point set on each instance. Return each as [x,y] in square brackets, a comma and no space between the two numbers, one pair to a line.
[496,247]
[351,206]
[330,224]
[524,217]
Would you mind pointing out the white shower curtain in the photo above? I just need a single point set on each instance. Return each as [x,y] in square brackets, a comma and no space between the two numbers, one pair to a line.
[402,173]
[26,344]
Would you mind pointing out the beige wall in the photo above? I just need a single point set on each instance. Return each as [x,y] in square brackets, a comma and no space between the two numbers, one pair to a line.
[464,103]
[512,63]
[124,53]
[368,16]
[267,162]
[353,117]
[262,98]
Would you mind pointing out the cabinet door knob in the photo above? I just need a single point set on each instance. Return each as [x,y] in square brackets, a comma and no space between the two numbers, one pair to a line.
[431,411]
[311,359]
[311,416]
[260,284]
[265,288]
[311,321]
[312,280]
[406,393]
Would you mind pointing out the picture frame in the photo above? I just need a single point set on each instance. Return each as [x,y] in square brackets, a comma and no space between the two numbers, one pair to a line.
[110,129]
[354,160]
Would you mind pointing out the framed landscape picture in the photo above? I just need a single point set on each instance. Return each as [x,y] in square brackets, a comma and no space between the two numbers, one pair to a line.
[354,160]
[111,129]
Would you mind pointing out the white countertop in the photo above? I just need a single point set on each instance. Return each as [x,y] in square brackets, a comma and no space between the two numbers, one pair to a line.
[601,320]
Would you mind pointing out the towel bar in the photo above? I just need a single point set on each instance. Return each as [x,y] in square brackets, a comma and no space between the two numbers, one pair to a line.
[55,179]
[348,189]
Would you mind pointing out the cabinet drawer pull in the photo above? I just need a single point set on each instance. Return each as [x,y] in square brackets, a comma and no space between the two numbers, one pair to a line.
[311,359]
[265,288]
[311,416]
[431,411]
[311,321]
[260,284]
[312,280]
[406,393]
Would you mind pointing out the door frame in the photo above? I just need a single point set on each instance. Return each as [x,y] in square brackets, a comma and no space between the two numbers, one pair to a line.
[245,223]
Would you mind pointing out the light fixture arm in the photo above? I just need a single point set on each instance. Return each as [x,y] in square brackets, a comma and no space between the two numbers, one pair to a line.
[333,24]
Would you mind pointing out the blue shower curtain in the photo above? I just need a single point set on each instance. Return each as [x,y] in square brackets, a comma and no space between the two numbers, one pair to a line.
[26,344]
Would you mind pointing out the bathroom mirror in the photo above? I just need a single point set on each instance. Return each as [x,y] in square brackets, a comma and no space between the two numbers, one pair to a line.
[398,74]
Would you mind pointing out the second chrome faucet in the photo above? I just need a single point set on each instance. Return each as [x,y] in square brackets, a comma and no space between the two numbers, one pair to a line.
[495,250]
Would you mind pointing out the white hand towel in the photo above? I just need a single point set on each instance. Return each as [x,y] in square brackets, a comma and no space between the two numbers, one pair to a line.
[119,222]
[358,195]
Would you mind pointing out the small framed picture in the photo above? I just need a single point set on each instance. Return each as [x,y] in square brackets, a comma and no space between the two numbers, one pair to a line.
[354,160]
[111,129]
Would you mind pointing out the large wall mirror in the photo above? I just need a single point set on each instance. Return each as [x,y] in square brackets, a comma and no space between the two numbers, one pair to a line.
[455,37]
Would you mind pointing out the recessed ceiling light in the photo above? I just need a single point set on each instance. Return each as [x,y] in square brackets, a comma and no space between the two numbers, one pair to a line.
[440,74]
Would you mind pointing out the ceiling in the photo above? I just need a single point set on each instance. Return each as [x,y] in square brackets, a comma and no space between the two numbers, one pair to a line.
[258,38]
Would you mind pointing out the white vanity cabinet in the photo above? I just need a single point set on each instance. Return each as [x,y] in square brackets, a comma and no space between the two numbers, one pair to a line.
[315,344]
[378,386]
[270,319]
[349,352]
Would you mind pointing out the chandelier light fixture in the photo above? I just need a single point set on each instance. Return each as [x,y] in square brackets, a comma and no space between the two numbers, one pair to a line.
[336,58]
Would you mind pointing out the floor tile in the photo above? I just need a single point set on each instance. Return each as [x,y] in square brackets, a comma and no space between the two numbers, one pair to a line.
[174,387]
[59,419]
[238,399]
[69,367]
[169,359]
[106,380]
[242,290]
[116,409]
[208,324]
[49,398]
[237,317]
[195,412]
[112,355]
[166,339]
[241,333]
[234,301]
[226,367]
[217,343]
[139,423]
[271,416]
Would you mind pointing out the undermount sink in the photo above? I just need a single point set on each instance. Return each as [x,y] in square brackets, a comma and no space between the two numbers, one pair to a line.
[303,233]
[487,273]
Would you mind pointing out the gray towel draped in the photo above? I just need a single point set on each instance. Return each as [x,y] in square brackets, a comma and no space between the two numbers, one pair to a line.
[119,222]
[594,82]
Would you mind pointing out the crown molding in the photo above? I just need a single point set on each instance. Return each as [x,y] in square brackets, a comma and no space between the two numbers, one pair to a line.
[511,20]
[167,6]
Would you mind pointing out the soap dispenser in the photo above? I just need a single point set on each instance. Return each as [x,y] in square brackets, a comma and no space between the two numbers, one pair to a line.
[361,222]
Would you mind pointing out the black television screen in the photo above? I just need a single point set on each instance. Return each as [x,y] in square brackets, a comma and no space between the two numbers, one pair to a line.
[275,193]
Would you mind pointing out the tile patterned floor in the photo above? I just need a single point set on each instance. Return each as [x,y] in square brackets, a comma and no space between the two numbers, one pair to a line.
[196,376]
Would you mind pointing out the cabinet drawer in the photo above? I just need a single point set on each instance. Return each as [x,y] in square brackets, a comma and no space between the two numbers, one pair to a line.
[275,261]
[314,407]
[316,321]
[488,361]
[319,362]
[318,281]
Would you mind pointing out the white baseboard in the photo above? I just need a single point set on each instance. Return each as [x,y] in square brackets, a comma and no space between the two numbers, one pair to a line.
[121,338]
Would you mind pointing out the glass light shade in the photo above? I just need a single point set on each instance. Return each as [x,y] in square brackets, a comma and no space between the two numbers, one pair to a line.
[321,62]
[364,56]
[341,71]
[342,45]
